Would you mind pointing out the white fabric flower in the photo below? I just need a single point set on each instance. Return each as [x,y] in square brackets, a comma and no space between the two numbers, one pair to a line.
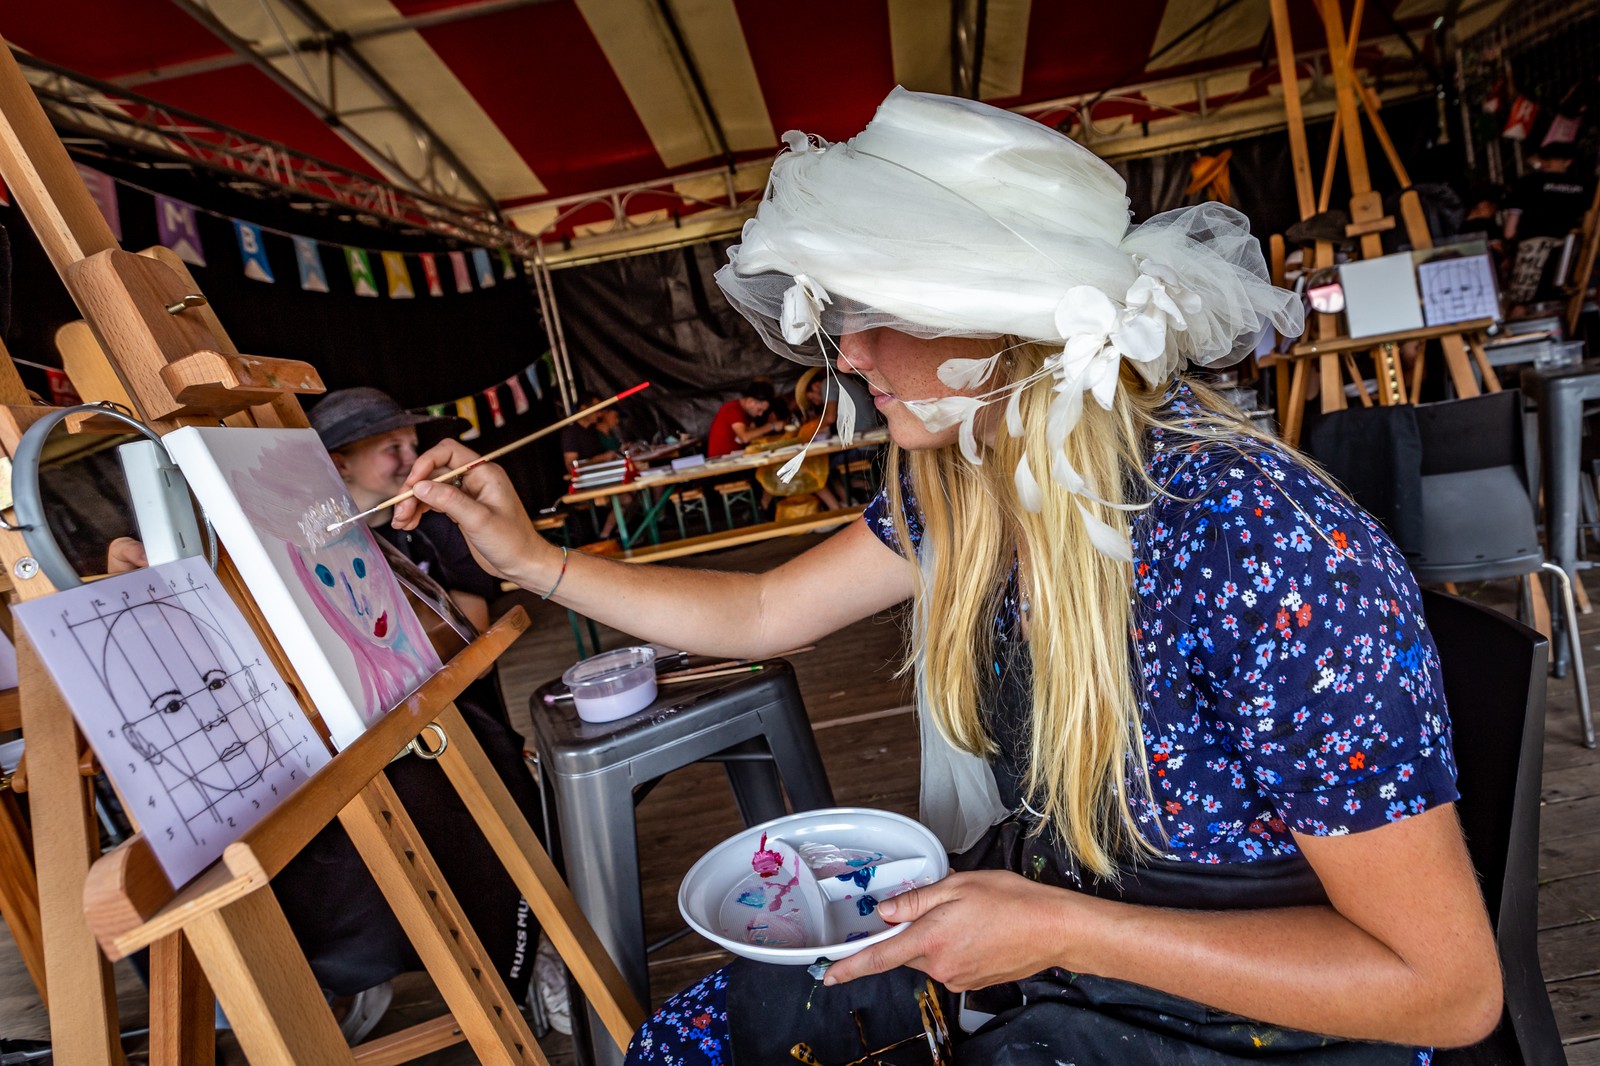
[802,309]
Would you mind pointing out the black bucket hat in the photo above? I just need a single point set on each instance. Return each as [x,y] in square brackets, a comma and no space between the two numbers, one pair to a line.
[348,415]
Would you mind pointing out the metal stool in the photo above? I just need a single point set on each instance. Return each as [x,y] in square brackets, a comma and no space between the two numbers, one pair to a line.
[691,501]
[740,492]
[595,773]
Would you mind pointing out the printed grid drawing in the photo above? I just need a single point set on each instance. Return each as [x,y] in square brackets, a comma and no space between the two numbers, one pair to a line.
[193,725]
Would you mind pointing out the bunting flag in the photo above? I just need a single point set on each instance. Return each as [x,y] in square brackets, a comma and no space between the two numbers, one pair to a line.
[533,379]
[481,268]
[62,394]
[103,191]
[439,410]
[519,397]
[394,265]
[508,269]
[253,253]
[5,197]
[466,408]
[458,262]
[492,395]
[361,275]
[313,278]
[177,229]
[430,273]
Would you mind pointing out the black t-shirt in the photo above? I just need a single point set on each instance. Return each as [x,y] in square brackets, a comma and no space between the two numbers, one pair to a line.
[1551,204]
[584,440]
[439,549]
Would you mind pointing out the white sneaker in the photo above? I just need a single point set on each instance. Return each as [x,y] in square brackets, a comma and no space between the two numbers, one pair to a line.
[549,990]
[367,1008]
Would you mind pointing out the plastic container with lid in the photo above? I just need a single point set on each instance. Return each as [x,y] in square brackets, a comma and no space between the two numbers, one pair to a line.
[613,684]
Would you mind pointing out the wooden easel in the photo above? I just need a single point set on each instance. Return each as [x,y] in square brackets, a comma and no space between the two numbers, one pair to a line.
[1336,355]
[176,365]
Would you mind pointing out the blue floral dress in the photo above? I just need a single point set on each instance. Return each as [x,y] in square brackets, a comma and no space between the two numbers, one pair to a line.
[1287,678]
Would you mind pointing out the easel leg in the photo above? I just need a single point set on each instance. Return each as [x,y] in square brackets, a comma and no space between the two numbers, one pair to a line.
[19,891]
[426,908]
[1455,360]
[535,875]
[83,993]
[182,1008]
[269,993]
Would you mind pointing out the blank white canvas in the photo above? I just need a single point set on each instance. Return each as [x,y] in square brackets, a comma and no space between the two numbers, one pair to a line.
[332,601]
[1380,295]
[179,702]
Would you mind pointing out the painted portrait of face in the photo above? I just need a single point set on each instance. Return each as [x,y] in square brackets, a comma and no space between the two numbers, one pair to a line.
[290,493]
[348,581]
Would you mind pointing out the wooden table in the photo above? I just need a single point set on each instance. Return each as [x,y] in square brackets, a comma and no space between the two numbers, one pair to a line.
[665,479]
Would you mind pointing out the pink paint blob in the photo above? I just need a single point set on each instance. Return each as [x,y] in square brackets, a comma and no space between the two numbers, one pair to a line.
[766,862]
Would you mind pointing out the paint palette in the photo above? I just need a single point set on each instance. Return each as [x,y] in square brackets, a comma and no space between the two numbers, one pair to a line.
[806,887]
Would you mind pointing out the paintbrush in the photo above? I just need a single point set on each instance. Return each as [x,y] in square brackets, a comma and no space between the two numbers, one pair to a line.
[451,475]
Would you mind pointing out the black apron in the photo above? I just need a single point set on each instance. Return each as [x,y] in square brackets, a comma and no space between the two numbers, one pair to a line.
[1055,1016]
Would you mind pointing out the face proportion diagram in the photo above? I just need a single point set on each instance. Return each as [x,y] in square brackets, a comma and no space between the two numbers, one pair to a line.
[177,697]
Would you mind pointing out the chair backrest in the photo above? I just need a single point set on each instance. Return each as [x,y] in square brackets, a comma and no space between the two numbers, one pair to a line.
[1494,681]
[1473,434]
[1477,518]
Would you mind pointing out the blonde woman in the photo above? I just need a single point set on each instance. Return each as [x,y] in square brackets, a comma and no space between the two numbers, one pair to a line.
[1182,717]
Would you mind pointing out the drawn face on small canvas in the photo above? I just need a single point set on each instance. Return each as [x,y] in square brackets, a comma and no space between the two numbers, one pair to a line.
[344,576]
[194,711]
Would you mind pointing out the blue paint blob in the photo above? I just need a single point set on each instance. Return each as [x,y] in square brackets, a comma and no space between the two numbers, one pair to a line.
[857,936]
[359,565]
[325,575]
[753,897]
[866,905]
[862,877]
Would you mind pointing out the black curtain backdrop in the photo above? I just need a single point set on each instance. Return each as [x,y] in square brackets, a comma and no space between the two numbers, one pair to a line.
[660,318]
[1263,176]
[426,350]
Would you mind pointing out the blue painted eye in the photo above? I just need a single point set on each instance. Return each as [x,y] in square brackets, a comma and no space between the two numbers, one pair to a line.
[325,575]
[360,566]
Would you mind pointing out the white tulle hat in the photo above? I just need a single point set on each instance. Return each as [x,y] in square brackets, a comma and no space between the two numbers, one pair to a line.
[950,218]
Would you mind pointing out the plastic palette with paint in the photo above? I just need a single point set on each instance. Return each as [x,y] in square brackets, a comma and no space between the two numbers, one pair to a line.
[805,887]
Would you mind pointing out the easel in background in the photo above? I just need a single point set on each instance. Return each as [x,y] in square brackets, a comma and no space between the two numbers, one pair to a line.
[1336,355]
[174,362]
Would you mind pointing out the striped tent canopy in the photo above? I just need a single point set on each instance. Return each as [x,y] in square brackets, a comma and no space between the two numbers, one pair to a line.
[610,123]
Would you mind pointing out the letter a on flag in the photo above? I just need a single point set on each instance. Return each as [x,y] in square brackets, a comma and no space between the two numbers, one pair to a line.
[430,274]
[394,265]
[313,278]
[176,228]
[251,252]
[458,263]
[361,275]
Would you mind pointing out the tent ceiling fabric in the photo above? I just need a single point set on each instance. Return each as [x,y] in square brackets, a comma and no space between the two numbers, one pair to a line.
[540,103]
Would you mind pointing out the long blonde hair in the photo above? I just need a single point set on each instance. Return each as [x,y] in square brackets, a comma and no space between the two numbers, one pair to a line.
[1085,737]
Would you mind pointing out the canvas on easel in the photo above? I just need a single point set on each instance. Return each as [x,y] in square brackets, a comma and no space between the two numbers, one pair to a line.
[331,599]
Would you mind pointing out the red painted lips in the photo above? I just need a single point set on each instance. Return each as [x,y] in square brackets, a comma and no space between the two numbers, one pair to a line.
[380,628]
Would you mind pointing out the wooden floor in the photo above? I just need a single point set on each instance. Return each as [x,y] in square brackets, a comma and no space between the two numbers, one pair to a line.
[861,713]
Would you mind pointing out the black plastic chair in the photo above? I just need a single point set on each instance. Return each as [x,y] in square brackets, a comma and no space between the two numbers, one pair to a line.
[1477,518]
[1494,681]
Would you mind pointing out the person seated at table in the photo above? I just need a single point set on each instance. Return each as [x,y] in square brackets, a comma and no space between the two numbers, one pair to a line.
[586,441]
[818,415]
[1182,716]
[742,420]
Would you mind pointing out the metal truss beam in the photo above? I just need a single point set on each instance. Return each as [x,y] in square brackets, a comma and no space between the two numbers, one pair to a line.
[328,39]
[98,110]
